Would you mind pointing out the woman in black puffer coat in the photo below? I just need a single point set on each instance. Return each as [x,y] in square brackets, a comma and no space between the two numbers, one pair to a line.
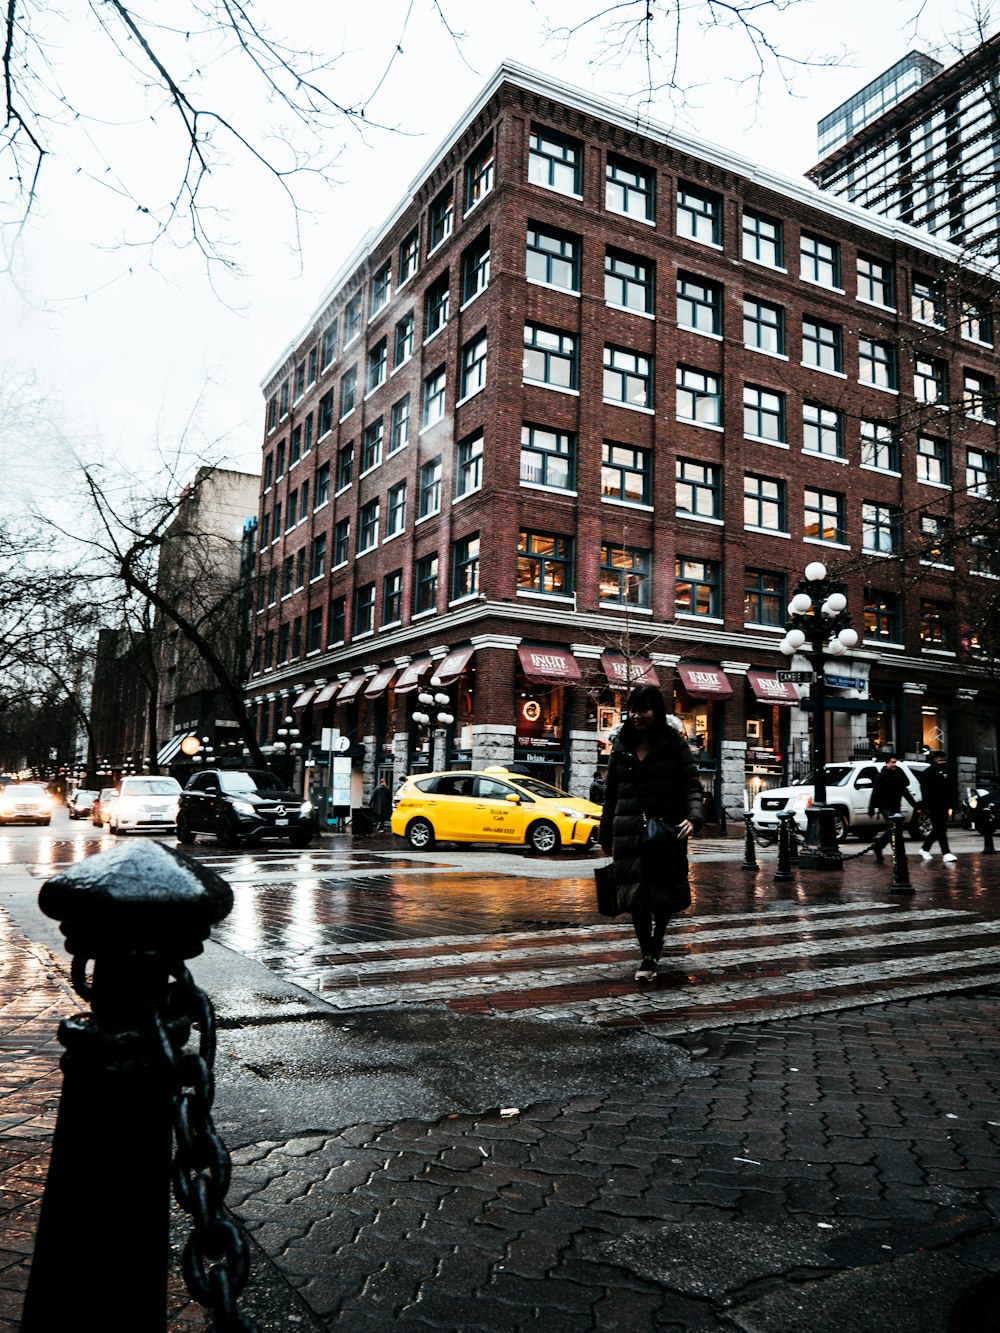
[651,772]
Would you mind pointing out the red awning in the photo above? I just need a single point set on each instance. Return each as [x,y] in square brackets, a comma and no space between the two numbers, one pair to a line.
[451,667]
[626,672]
[548,665]
[352,688]
[412,675]
[770,690]
[704,682]
[379,683]
[304,699]
[324,695]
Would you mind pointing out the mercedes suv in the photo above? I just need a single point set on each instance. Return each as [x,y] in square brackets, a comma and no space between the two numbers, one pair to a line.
[238,805]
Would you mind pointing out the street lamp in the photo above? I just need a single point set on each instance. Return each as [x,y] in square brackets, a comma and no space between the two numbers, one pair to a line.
[819,626]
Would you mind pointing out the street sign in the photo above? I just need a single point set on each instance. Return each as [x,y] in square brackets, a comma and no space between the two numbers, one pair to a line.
[797,677]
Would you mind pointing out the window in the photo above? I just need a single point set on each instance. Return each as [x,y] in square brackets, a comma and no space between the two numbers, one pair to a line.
[368,527]
[933,461]
[937,628]
[322,484]
[880,528]
[626,473]
[927,301]
[392,598]
[476,266]
[549,357]
[977,322]
[980,472]
[341,541]
[876,363]
[326,414]
[628,281]
[272,412]
[304,500]
[403,347]
[436,305]
[409,248]
[268,472]
[548,458]
[345,466]
[297,637]
[554,161]
[822,430]
[697,587]
[979,394]
[699,215]
[469,465]
[698,488]
[292,513]
[465,567]
[699,304]
[300,380]
[473,370]
[440,217]
[763,326]
[287,575]
[284,645]
[272,586]
[294,446]
[348,392]
[984,556]
[336,621]
[624,576]
[875,282]
[819,260]
[307,441]
[434,392]
[276,531]
[628,189]
[879,446]
[378,359]
[824,516]
[313,362]
[425,578]
[279,460]
[764,414]
[763,240]
[765,503]
[882,615]
[429,488]
[930,380]
[317,564]
[399,429]
[553,258]
[381,287]
[544,563]
[479,174]
[328,349]
[314,630]
[822,346]
[395,509]
[284,400]
[364,609]
[371,446]
[265,530]
[699,397]
[628,377]
[764,597]
[352,319]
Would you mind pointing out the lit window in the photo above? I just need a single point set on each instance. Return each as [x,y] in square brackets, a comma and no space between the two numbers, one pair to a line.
[697,587]
[545,563]
[626,473]
[624,576]
[824,516]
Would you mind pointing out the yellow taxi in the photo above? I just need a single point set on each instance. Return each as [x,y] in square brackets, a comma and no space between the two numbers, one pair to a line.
[491,805]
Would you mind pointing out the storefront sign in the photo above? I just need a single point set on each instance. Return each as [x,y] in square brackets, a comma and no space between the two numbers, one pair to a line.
[545,664]
[412,675]
[704,682]
[775,687]
[627,672]
[451,667]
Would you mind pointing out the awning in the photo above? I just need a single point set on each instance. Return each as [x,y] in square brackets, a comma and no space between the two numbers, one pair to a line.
[169,751]
[704,682]
[379,683]
[451,667]
[412,675]
[304,699]
[351,688]
[324,695]
[770,690]
[547,665]
[628,672]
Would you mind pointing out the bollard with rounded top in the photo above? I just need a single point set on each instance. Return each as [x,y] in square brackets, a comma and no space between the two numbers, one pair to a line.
[900,870]
[784,869]
[135,913]
[749,847]
[986,825]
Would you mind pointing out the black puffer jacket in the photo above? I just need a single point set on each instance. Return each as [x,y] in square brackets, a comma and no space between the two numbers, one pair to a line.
[665,783]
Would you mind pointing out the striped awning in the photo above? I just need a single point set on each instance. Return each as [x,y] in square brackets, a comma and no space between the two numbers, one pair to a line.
[304,699]
[324,695]
[169,751]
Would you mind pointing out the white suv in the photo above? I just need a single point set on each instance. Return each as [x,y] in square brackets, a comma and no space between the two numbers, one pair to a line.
[144,803]
[848,790]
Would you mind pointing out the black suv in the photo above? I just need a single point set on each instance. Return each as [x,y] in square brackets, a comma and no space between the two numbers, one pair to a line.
[238,803]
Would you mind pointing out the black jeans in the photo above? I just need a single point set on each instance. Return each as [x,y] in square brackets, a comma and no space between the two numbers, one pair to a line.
[654,904]
[885,836]
[939,831]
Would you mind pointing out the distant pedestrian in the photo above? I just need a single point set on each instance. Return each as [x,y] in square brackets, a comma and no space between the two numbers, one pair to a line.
[381,805]
[596,793]
[890,790]
[937,799]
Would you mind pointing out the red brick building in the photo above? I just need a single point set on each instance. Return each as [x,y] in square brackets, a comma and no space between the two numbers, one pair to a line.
[597,394]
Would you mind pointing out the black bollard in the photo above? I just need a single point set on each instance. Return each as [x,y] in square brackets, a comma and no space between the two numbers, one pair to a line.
[749,846]
[986,825]
[102,1245]
[900,870]
[784,868]
[793,840]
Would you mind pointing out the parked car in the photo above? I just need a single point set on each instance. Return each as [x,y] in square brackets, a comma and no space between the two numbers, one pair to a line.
[243,804]
[81,803]
[848,790]
[25,803]
[981,806]
[99,810]
[143,804]
[491,805]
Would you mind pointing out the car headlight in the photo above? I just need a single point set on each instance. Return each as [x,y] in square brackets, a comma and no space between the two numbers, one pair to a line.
[243,807]
[802,802]
[306,808]
[567,813]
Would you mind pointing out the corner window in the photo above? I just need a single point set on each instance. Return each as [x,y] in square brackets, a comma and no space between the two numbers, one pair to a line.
[479,174]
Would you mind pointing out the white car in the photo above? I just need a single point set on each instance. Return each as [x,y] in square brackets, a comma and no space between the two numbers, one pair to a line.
[848,790]
[144,804]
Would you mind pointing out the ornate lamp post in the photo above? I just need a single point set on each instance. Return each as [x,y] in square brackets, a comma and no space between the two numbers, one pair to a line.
[441,702]
[819,626]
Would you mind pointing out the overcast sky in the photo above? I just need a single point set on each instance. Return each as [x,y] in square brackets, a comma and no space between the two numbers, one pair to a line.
[132,350]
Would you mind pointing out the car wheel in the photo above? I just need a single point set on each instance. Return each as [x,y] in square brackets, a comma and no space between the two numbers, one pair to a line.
[543,837]
[227,833]
[300,839]
[114,829]
[185,833]
[839,827]
[420,834]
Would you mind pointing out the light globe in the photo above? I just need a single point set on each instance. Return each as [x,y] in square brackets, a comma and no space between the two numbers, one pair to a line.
[815,571]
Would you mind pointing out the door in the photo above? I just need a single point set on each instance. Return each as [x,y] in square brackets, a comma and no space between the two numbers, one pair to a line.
[499,819]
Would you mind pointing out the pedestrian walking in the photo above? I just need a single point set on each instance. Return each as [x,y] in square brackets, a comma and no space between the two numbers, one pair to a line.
[596,793]
[381,805]
[890,789]
[937,798]
[651,773]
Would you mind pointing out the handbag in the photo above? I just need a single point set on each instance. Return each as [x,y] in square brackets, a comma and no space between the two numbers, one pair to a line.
[657,836]
[607,890]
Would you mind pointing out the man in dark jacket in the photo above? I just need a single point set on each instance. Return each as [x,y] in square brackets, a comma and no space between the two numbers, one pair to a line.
[937,797]
[890,790]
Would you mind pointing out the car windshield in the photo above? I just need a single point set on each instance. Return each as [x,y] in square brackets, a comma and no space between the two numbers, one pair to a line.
[25,790]
[539,789]
[150,787]
[81,795]
[837,775]
[256,780]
